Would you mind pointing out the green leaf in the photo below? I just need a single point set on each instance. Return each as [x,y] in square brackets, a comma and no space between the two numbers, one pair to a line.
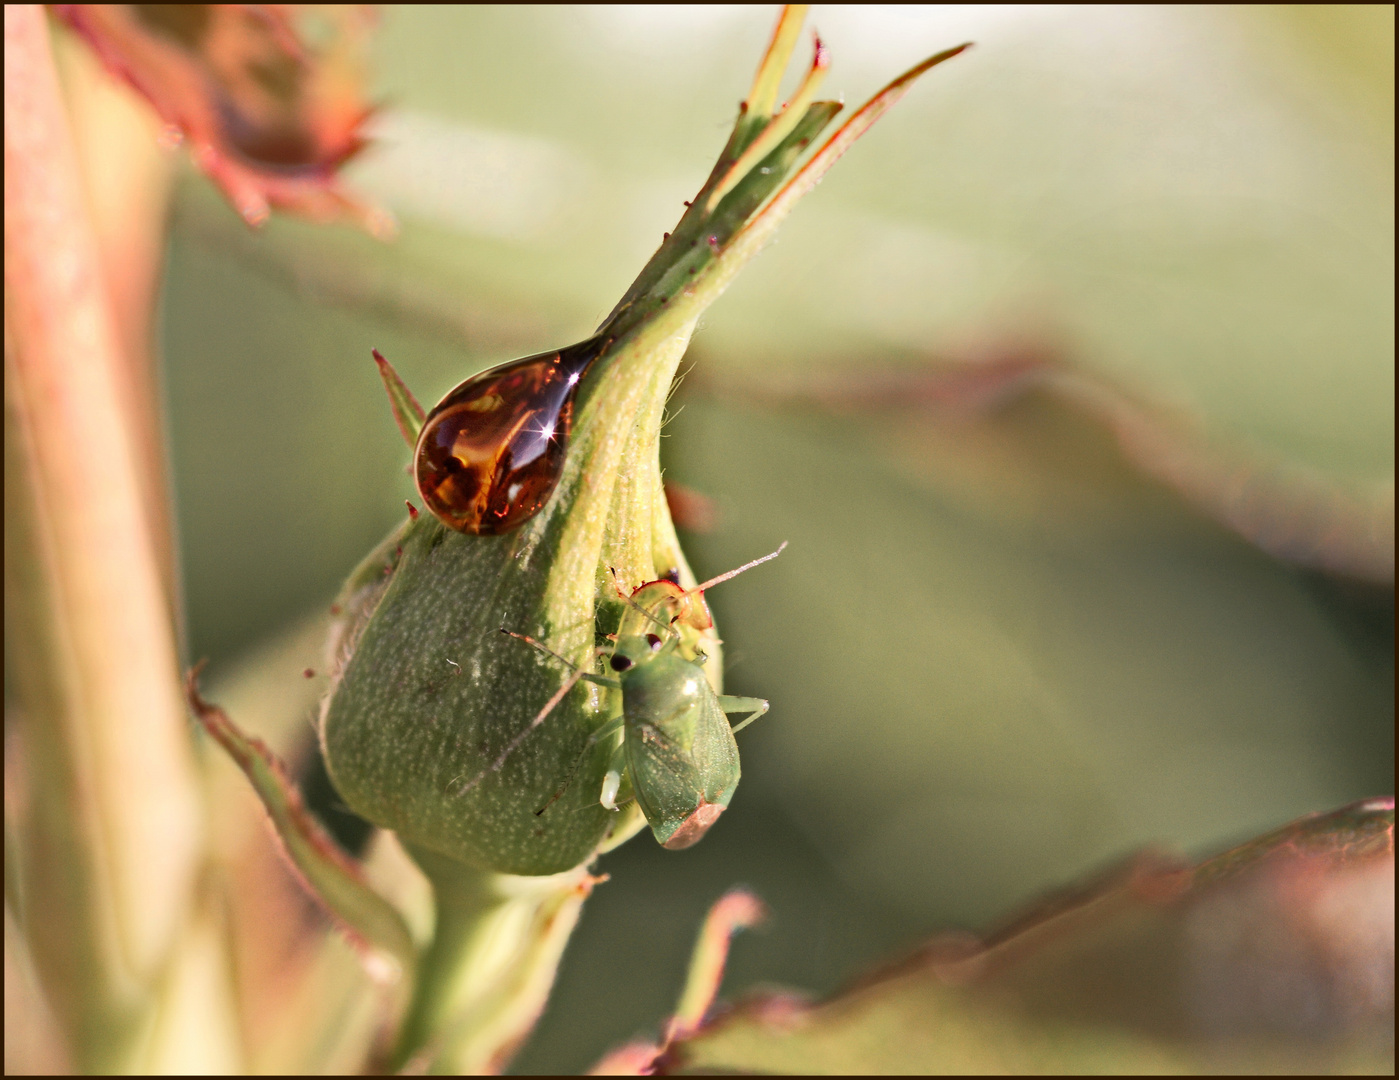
[1274,956]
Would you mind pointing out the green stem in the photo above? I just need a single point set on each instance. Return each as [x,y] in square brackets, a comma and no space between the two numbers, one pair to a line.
[486,976]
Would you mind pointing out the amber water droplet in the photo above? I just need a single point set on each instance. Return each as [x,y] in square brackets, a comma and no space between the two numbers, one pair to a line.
[491,451]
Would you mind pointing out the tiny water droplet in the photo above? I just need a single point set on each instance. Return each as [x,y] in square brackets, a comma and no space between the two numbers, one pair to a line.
[491,451]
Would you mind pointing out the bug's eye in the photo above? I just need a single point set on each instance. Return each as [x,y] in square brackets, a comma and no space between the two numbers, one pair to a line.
[620,662]
[653,641]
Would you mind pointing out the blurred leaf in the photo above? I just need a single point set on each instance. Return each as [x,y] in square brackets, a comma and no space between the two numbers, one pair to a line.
[738,909]
[1275,956]
[996,653]
[270,96]
[1294,513]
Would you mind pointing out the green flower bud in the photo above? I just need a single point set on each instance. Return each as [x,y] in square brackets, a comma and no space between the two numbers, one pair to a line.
[468,742]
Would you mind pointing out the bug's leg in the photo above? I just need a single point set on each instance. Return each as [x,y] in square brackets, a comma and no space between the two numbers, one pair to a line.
[740,704]
[608,729]
[549,706]
[540,646]
[587,676]
[612,781]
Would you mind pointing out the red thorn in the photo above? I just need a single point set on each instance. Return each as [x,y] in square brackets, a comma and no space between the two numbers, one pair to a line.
[688,203]
[335,609]
[309,673]
[412,510]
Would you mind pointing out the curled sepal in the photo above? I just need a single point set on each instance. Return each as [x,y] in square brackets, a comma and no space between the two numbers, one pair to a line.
[736,910]
[371,924]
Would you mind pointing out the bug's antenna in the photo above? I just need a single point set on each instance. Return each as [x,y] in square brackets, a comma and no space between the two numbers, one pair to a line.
[734,573]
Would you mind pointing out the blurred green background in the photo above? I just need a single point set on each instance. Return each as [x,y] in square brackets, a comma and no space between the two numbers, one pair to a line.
[998,654]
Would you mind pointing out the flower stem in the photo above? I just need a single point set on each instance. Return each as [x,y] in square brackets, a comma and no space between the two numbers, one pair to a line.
[109,846]
[486,977]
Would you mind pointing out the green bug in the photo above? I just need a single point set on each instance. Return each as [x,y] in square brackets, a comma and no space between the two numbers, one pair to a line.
[677,755]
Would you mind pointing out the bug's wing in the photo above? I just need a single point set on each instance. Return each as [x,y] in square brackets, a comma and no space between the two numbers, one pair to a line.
[662,773]
[680,750]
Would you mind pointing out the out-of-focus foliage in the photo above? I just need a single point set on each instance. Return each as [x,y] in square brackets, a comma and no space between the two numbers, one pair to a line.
[270,96]
[1274,957]
[998,651]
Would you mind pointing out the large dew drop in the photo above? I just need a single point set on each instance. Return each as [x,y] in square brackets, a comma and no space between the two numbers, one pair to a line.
[492,450]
